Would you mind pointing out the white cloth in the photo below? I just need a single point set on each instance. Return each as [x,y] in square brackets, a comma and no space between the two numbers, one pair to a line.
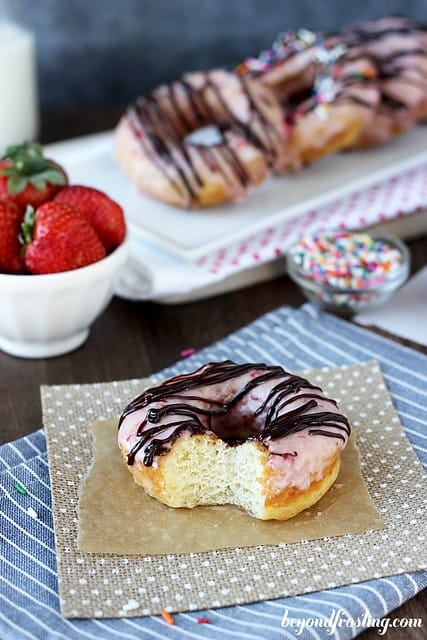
[153,273]
[405,314]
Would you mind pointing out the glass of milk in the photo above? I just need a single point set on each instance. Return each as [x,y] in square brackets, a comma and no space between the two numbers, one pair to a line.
[18,86]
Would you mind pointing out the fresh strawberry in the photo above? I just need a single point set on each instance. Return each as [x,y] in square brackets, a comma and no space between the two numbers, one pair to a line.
[104,214]
[58,238]
[11,260]
[27,177]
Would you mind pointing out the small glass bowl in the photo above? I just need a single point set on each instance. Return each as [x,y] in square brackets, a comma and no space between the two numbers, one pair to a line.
[345,300]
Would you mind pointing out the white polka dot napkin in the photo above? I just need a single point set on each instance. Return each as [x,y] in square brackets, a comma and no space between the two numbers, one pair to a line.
[303,338]
[103,585]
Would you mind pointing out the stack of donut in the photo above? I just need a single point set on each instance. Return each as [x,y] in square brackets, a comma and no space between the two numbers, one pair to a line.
[211,137]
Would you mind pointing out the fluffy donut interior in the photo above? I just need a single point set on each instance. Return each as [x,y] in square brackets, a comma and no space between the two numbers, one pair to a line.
[203,470]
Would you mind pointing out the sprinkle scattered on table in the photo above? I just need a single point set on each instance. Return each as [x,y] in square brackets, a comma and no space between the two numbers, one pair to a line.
[33,513]
[203,620]
[187,352]
[20,489]
[167,617]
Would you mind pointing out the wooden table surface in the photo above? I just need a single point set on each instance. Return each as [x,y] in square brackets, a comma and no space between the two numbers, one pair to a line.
[136,339]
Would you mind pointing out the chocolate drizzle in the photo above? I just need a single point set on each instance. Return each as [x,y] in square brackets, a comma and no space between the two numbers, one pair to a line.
[200,414]
[391,61]
[370,32]
[162,119]
[386,45]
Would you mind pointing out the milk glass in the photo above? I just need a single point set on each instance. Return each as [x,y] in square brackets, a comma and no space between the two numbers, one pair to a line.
[18,86]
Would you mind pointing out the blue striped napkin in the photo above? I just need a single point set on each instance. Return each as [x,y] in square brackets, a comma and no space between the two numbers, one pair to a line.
[310,339]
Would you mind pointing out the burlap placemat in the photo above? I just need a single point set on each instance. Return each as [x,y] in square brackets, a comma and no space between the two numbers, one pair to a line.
[158,530]
[109,585]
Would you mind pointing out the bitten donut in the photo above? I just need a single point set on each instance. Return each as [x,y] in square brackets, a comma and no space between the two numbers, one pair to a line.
[250,435]
[157,152]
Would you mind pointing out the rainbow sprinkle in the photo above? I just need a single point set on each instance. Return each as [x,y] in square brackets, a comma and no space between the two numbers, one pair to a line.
[348,271]
[33,513]
[285,45]
[346,260]
[20,489]
[167,617]
[185,353]
[363,74]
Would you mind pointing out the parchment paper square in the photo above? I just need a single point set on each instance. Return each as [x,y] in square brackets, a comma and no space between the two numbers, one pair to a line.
[102,585]
[158,530]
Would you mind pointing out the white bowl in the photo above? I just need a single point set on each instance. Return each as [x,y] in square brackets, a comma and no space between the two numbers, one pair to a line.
[47,315]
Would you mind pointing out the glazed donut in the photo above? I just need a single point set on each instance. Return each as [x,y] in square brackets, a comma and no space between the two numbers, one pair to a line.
[381,35]
[157,151]
[307,97]
[398,48]
[342,104]
[328,98]
[250,435]
[400,107]
[289,67]
[381,92]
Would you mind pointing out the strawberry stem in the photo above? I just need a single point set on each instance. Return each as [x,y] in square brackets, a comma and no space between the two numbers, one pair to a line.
[29,166]
[27,149]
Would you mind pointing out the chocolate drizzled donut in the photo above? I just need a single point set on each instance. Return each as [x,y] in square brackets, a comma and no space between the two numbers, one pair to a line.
[163,119]
[186,402]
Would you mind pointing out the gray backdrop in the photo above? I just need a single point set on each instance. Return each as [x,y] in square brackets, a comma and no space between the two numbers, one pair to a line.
[109,51]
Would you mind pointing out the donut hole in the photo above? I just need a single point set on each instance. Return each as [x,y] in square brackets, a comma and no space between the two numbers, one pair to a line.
[208,136]
[236,426]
